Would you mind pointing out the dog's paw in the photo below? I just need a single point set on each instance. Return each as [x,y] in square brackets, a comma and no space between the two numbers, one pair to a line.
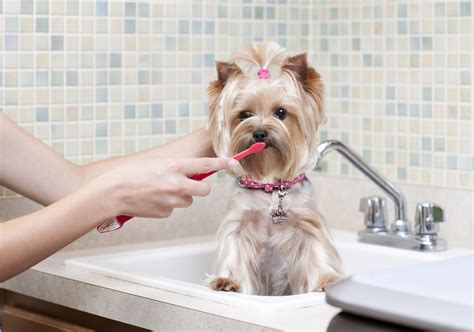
[327,281]
[224,284]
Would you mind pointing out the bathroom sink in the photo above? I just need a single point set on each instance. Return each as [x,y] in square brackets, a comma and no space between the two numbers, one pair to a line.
[183,268]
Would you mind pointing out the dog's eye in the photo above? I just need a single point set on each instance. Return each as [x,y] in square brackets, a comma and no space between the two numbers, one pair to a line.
[245,115]
[280,113]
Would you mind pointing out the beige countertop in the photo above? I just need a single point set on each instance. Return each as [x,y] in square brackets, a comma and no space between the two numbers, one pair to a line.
[148,307]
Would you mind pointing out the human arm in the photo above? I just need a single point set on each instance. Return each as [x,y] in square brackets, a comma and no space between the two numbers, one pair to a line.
[35,170]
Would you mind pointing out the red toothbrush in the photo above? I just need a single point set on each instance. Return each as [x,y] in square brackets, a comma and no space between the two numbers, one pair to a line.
[117,222]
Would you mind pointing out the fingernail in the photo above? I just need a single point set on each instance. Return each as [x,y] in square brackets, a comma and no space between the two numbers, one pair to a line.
[233,163]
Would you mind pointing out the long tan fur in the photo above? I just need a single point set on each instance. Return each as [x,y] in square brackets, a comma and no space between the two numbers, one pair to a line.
[255,255]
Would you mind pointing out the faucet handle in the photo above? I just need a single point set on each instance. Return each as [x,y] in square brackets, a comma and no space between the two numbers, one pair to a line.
[427,218]
[375,211]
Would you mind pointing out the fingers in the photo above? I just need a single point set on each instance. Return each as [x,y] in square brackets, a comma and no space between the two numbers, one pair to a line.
[195,188]
[192,166]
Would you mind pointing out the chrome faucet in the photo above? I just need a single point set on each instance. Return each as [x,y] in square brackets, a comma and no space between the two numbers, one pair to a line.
[400,234]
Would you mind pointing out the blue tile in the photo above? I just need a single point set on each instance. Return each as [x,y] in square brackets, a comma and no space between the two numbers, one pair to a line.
[183,109]
[157,127]
[183,26]
[258,13]
[247,12]
[281,28]
[170,43]
[170,127]
[367,60]
[101,146]
[415,60]
[402,10]
[452,162]
[390,109]
[101,130]
[427,43]
[196,60]
[305,29]
[335,60]
[115,77]
[333,13]
[402,27]
[465,77]
[282,42]
[465,8]
[115,60]
[427,94]
[323,27]
[426,160]
[426,143]
[197,27]
[402,109]
[42,24]
[143,77]
[42,7]
[42,78]
[157,110]
[196,77]
[129,26]
[57,78]
[26,79]
[57,43]
[324,45]
[130,9]
[415,43]
[101,8]
[390,92]
[356,44]
[209,27]
[11,24]
[11,42]
[129,112]
[72,78]
[209,60]
[401,174]
[270,13]
[42,114]
[101,95]
[26,7]
[367,155]
[389,157]
[427,111]
[143,10]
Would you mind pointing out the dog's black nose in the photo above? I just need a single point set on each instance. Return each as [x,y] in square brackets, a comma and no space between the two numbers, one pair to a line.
[260,135]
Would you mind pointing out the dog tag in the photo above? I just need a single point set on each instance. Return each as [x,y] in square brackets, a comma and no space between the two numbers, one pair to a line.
[279,214]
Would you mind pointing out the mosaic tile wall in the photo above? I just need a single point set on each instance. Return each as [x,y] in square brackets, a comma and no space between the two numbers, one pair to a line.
[100,78]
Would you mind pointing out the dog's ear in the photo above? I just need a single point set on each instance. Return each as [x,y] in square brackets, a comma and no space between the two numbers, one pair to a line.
[226,70]
[308,77]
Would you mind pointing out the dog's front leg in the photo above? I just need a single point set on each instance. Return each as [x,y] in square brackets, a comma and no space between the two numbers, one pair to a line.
[237,266]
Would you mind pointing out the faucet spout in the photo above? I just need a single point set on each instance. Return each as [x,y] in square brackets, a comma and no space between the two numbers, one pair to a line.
[400,226]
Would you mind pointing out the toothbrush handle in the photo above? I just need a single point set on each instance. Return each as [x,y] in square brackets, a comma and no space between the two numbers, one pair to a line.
[117,222]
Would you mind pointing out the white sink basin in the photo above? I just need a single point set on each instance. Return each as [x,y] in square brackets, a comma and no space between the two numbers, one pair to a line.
[182,269]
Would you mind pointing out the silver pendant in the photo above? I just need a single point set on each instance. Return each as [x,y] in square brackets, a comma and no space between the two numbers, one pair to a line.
[279,214]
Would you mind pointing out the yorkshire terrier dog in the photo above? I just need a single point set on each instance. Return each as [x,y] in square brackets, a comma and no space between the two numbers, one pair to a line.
[273,240]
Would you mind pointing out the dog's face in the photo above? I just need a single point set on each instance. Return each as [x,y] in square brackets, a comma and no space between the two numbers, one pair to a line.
[284,113]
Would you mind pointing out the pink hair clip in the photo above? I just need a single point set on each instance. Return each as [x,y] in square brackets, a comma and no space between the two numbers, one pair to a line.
[263,74]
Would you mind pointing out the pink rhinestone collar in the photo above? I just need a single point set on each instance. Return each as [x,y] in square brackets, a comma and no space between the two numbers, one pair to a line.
[269,187]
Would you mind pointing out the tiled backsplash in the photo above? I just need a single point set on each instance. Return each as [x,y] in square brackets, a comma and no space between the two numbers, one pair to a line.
[101,78]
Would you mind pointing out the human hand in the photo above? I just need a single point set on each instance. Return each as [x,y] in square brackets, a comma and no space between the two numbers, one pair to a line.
[153,187]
